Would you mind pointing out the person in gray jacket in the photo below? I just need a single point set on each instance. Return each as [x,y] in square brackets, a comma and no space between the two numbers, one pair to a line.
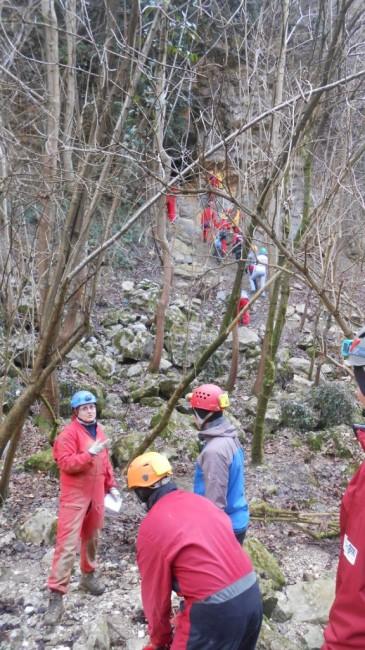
[219,471]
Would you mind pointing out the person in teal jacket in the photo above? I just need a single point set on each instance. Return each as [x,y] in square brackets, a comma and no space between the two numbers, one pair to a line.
[219,471]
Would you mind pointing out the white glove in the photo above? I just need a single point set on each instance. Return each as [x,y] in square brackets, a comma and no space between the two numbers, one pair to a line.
[115,493]
[98,446]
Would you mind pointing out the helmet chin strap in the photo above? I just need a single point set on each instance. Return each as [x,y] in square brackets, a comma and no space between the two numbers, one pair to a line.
[199,421]
[85,422]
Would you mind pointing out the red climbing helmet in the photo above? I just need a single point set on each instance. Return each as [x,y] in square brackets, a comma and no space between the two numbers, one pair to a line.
[208,397]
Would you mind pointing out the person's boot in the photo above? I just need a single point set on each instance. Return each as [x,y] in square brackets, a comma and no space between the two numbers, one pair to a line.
[90,583]
[55,608]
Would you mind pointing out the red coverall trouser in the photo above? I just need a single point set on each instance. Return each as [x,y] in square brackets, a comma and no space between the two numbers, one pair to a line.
[78,526]
[245,318]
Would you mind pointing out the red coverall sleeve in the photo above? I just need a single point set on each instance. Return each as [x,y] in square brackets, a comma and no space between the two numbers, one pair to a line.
[156,586]
[67,455]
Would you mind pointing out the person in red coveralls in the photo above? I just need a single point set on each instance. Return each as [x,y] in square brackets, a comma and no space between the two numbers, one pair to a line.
[86,475]
[346,625]
[243,301]
[208,220]
[186,544]
[171,205]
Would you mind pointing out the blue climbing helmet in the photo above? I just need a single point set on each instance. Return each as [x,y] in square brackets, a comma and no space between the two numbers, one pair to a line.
[263,250]
[82,397]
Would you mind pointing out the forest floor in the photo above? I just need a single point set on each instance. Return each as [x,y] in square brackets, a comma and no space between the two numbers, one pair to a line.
[292,477]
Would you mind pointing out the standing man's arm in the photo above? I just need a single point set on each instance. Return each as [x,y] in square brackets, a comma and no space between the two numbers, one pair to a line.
[215,468]
[67,454]
[156,586]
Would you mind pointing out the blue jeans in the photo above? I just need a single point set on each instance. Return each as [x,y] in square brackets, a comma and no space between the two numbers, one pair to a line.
[257,280]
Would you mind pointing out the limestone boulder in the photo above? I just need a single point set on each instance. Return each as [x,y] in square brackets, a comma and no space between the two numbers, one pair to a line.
[182,252]
[124,445]
[104,366]
[136,369]
[144,297]
[271,639]
[39,528]
[113,406]
[174,316]
[307,602]
[133,346]
[299,365]
[149,388]
[95,636]
[248,338]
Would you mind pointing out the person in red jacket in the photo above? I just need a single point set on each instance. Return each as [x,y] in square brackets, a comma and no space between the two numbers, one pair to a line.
[243,301]
[186,544]
[86,475]
[171,205]
[208,221]
[346,625]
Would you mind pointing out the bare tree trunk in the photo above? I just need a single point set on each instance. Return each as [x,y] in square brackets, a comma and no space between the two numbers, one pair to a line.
[274,327]
[232,377]
[274,197]
[7,302]
[165,293]
[48,219]
[71,27]
[160,207]
[8,463]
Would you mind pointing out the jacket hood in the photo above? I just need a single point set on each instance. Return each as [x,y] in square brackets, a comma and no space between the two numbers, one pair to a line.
[221,428]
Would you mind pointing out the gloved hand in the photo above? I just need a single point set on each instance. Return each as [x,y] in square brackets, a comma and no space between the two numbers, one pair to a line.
[115,493]
[98,446]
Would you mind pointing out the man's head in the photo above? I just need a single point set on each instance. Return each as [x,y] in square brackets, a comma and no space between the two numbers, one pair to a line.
[208,402]
[83,404]
[148,472]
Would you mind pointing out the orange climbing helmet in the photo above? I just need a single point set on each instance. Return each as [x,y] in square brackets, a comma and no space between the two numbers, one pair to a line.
[208,397]
[148,469]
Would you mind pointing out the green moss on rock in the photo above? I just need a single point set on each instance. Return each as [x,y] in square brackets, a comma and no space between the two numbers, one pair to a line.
[42,461]
[264,563]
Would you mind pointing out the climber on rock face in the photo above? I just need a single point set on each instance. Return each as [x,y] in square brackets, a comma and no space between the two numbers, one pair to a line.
[208,221]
